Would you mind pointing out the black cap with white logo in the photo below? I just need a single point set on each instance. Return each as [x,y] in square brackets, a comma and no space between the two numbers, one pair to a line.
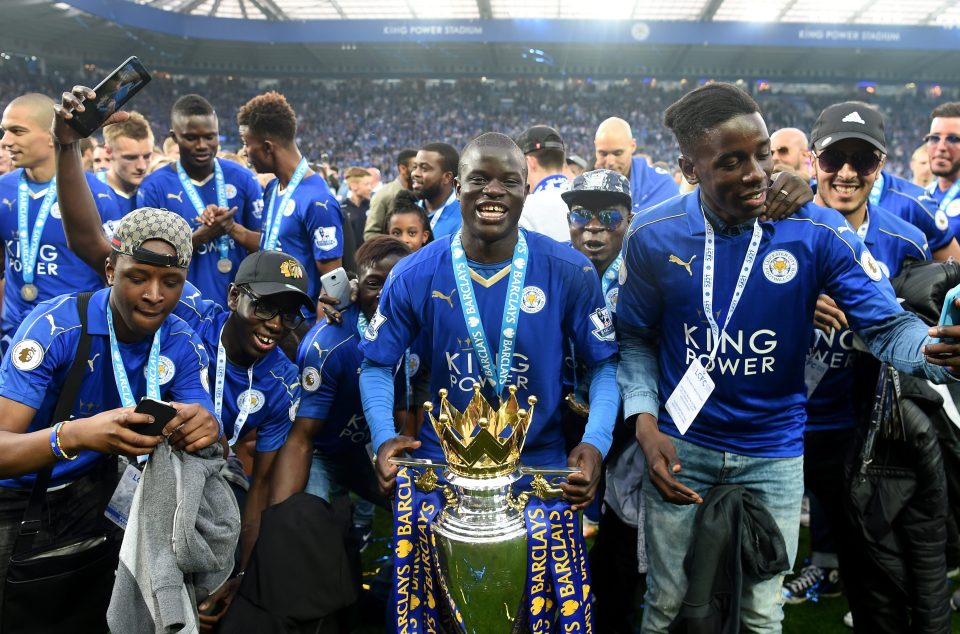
[539,137]
[849,120]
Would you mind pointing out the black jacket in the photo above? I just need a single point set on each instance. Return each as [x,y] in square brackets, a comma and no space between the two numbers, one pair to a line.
[735,538]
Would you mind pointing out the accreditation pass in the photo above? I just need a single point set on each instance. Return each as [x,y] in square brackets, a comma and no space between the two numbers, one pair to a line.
[688,398]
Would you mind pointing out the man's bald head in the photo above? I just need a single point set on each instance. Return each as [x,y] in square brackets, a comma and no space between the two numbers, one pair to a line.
[26,133]
[38,107]
[791,151]
[614,145]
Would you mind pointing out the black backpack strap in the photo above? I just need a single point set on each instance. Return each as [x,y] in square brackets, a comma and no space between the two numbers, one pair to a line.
[32,517]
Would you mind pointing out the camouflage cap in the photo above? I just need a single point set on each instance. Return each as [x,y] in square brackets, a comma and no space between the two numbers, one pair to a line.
[599,187]
[148,223]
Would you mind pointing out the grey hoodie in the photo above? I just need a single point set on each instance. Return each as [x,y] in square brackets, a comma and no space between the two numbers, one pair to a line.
[179,543]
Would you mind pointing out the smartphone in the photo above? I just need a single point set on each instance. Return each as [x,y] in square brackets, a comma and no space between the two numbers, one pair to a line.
[337,285]
[162,414]
[112,93]
[950,314]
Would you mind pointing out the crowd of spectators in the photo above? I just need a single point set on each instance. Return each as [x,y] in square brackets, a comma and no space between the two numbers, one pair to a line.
[366,122]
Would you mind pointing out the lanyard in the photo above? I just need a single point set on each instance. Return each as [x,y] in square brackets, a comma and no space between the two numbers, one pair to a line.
[218,391]
[30,243]
[362,329]
[223,244]
[120,373]
[876,191]
[435,218]
[511,310]
[709,256]
[271,228]
[555,182]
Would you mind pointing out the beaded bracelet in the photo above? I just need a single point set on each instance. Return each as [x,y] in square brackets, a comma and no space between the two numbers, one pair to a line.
[58,448]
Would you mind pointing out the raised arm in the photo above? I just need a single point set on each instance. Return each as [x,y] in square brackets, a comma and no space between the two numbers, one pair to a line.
[81,219]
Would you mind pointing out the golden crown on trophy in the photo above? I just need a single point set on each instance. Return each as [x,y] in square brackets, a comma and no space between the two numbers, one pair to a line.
[482,442]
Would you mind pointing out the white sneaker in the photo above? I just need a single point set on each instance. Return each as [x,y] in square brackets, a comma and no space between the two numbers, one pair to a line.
[848,619]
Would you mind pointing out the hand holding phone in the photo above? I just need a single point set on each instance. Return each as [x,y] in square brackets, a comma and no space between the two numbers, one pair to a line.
[950,314]
[336,284]
[162,414]
[111,95]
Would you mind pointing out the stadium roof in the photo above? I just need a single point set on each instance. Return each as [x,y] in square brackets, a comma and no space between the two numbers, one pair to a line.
[902,12]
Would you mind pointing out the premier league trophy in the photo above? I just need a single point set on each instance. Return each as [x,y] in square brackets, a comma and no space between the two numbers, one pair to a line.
[476,547]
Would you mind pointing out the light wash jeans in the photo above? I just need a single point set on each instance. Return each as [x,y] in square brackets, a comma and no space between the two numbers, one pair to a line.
[777,483]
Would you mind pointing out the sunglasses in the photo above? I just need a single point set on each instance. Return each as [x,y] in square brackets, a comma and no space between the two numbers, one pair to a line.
[609,218]
[934,139]
[265,312]
[863,163]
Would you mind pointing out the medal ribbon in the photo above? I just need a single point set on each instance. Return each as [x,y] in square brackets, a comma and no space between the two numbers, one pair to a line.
[539,587]
[610,276]
[218,391]
[876,190]
[709,257]
[948,197]
[511,311]
[223,242]
[439,212]
[271,228]
[579,554]
[30,243]
[120,373]
[555,181]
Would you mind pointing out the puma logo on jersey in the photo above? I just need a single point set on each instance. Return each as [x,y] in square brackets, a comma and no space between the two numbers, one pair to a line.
[53,325]
[193,297]
[8,203]
[102,195]
[320,350]
[675,260]
[446,298]
[321,204]
[90,361]
[177,197]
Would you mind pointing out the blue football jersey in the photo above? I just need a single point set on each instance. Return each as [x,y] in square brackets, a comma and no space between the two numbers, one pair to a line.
[58,269]
[311,228]
[271,399]
[449,221]
[45,345]
[125,203]
[650,185]
[952,209]
[892,241]
[329,358]
[164,190]
[758,405]
[912,203]
[560,301]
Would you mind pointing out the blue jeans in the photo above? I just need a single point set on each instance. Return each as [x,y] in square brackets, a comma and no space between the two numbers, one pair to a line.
[332,477]
[777,483]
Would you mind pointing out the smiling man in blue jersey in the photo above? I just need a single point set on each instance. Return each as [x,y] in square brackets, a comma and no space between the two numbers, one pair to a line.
[849,147]
[130,147]
[37,263]
[615,146]
[943,148]
[433,179]
[220,199]
[712,357]
[326,454]
[301,216]
[492,287]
